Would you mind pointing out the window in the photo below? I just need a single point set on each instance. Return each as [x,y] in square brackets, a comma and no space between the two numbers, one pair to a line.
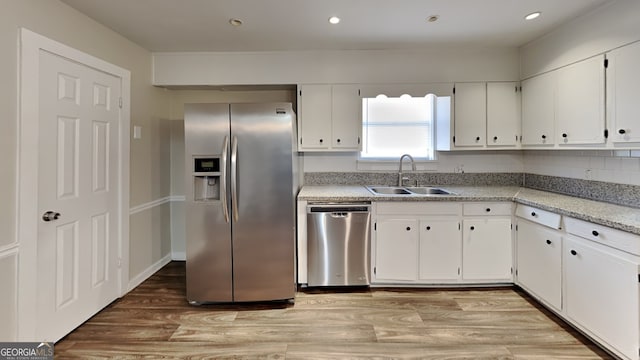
[393,126]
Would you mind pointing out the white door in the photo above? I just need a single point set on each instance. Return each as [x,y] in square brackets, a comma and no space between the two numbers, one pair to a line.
[470,114]
[538,109]
[503,114]
[396,246]
[440,249]
[346,118]
[486,249]
[78,179]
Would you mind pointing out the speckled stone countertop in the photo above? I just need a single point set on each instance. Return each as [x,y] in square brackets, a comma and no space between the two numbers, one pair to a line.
[615,216]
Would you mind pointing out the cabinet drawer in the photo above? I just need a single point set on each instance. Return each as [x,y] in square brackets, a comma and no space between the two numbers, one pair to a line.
[618,239]
[492,208]
[417,208]
[539,216]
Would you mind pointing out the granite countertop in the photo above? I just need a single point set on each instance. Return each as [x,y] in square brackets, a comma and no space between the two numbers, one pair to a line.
[615,216]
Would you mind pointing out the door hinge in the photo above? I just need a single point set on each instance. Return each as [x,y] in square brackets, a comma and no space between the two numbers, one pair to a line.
[458,271]
[516,88]
[454,139]
[459,226]
[511,271]
[516,272]
[358,140]
[120,102]
[606,133]
[300,92]
[374,270]
[375,226]
[606,63]
[300,141]
[358,92]
[638,277]
[511,226]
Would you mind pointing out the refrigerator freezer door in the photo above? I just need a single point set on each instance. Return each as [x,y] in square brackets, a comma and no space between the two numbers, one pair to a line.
[263,215]
[208,229]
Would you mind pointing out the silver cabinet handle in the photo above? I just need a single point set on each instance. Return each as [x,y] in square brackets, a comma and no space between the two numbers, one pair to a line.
[50,216]
[234,177]
[223,180]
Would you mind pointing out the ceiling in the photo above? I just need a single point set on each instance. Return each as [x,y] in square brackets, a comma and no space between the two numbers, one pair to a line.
[274,25]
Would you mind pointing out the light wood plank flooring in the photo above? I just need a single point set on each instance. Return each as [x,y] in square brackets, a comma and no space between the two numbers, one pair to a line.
[155,321]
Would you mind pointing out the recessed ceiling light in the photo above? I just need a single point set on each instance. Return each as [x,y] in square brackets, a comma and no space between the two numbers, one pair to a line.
[235,22]
[334,20]
[533,15]
[433,18]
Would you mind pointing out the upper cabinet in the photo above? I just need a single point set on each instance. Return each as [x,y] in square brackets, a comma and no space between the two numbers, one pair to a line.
[565,107]
[470,114]
[329,117]
[538,110]
[623,95]
[580,103]
[485,115]
[503,114]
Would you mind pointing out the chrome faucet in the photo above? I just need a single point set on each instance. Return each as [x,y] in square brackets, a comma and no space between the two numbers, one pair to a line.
[413,167]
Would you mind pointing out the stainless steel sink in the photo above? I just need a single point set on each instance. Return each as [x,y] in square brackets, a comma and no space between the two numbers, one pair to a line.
[429,191]
[388,190]
[408,191]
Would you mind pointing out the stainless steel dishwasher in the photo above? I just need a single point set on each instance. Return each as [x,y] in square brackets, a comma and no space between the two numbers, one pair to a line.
[338,238]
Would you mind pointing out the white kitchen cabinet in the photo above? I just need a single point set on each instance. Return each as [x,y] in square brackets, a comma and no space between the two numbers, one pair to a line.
[503,114]
[329,117]
[538,110]
[623,95]
[580,103]
[486,249]
[440,248]
[470,114]
[601,293]
[539,261]
[487,242]
[396,249]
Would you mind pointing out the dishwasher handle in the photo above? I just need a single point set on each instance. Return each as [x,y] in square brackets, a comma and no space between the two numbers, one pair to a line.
[341,210]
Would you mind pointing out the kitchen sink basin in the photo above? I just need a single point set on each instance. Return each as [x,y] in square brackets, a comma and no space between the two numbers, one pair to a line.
[388,190]
[408,191]
[429,191]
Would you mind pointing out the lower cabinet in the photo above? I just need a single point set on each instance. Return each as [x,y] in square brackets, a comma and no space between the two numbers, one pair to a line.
[440,250]
[486,249]
[601,289]
[396,249]
[539,259]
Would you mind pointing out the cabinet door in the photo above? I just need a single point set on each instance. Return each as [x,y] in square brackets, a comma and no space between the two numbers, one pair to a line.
[538,110]
[580,103]
[346,117]
[486,249]
[539,257]
[623,95]
[470,114]
[314,104]
[503,114]
[396,249]
[602,293]
[440,249]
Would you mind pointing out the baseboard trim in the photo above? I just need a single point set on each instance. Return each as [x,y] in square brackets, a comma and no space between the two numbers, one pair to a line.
[140,278]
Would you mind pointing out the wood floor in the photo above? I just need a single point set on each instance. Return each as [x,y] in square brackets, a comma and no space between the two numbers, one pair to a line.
[155,321]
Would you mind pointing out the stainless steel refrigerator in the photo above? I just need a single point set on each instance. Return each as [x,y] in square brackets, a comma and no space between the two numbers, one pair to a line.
[240,201]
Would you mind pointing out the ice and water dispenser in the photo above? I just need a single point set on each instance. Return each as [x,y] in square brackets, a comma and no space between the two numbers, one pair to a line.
[206,178]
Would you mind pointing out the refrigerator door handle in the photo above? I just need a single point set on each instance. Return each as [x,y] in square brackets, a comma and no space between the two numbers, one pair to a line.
[234,178]
[223,180]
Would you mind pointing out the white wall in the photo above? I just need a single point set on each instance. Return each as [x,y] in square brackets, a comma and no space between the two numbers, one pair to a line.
[149,170]
[603,29]
[441,64]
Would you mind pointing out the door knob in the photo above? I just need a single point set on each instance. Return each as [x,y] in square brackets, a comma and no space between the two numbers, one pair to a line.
[50,216]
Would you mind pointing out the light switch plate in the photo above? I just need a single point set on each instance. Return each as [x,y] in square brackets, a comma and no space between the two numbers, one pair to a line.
[137,132]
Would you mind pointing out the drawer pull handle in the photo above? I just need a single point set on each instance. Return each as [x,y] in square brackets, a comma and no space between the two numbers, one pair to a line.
[533,213]
[428,227]
[622,131]
[594,233]
[472,228]
[574,253]
[408,228]
[548,242]
[488,209]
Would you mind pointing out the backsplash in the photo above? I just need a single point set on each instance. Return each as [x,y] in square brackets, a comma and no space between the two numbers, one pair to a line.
[391,178]
[621,194]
